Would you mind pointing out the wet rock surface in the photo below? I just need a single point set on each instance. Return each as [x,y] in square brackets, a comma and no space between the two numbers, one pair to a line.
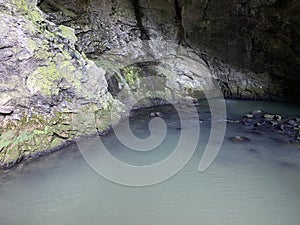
[51,92]
[46,85]
[285,129]
[69,59]
[239,139]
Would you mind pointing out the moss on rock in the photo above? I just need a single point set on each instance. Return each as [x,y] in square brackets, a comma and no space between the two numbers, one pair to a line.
[53,85]
[68,33]
[31,136]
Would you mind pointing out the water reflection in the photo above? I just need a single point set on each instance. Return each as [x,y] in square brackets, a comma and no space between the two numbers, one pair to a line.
[256,182]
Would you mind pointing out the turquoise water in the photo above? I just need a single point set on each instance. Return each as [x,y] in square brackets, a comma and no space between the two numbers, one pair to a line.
[248,183]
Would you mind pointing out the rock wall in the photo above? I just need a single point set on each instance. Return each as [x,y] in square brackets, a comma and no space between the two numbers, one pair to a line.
[257,35]
[45,82]
[65,64]
[52,93]
[252,47]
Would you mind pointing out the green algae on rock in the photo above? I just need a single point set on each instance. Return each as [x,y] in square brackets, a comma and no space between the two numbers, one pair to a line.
[57,94]
[47,82]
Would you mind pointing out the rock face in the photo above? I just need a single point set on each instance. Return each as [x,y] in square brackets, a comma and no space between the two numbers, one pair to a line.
[252,47]
[45,82]
[260,36]
[67,65]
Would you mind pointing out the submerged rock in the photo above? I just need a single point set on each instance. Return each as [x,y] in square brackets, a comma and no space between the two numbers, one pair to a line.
[255,132]
[288,165]
[292,122]
[269,117]
[272,123]
[249,116]
[156,114]
[288,128]
[257,113]
[252,150]
[239,139]
[275,117]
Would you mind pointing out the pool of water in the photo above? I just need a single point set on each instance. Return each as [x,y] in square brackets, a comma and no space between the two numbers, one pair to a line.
[257,182]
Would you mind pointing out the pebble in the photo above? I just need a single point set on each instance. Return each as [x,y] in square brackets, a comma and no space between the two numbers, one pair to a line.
[253,150]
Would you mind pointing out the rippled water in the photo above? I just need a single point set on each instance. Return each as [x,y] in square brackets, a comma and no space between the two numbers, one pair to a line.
[248,183]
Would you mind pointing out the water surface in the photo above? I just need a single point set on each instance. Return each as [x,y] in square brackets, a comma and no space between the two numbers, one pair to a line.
[248,183]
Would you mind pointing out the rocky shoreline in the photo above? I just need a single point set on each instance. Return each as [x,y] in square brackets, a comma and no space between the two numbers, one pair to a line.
[286,129]
[74,61]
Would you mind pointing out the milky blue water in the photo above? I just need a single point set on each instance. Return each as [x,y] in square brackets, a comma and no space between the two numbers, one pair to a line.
[257,182]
